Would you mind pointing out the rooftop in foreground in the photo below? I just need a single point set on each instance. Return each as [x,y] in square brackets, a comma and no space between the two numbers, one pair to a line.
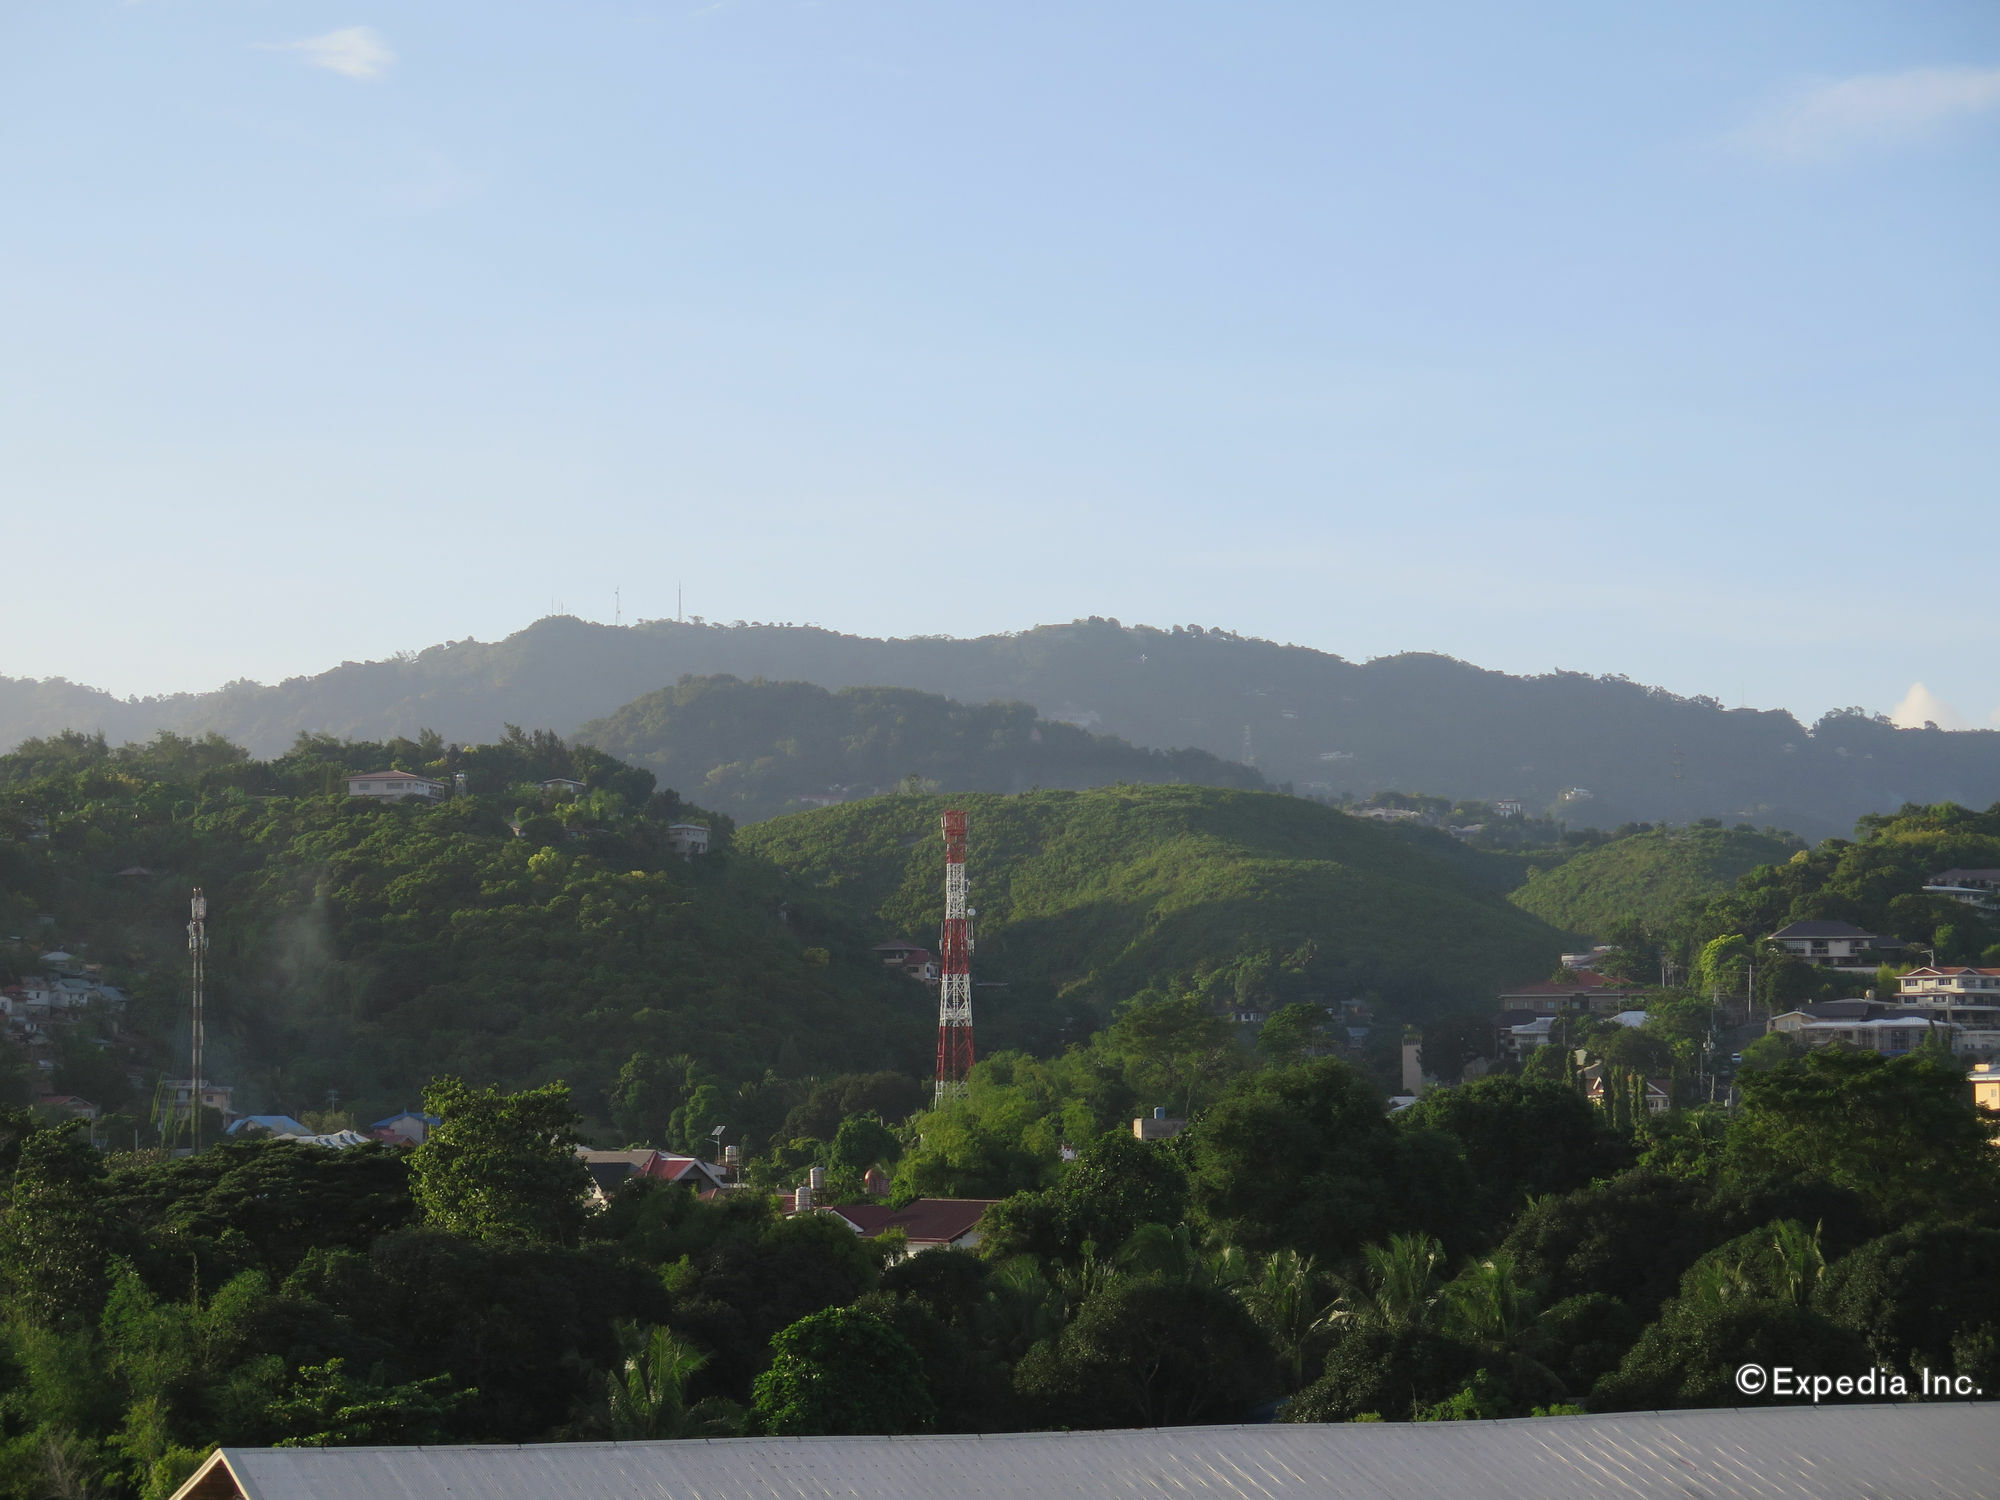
[1825,1453]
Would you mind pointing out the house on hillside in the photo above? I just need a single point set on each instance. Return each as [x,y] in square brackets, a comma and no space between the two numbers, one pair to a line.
[611,1170]
[174,1094]
[687,839]
[1892,1034]
[1986,1086]
[1836,945]
[1658,1094]
[394,786]
[1953,993]
[927,1223]
[1158,1126]
[1979,889]
[1522,1031]
[279,1125]
[564,785]
[913,962]
[1587,994]
[405,1129]
[75,1107]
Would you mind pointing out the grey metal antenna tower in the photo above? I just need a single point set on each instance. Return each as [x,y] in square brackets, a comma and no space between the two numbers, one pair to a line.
[197,953]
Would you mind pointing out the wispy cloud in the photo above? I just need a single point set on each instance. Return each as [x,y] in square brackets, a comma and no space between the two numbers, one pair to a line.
[1870,110]
[352,52]
[1921,706]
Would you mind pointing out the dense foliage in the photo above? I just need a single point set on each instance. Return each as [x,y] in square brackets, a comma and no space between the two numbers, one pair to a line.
[1648,878]
[1498,1251]
[754,749]
[507,934]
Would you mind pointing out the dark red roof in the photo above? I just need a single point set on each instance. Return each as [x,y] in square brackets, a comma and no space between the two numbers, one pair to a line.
[926,1221]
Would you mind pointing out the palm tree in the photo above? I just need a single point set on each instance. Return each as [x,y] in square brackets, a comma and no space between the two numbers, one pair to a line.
[1801,1262]
[1283,1296]
[1488,1303]
[1399,1290]
[648,1399]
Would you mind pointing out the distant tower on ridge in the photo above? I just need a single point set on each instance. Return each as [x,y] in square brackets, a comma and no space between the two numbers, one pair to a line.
[954,1054]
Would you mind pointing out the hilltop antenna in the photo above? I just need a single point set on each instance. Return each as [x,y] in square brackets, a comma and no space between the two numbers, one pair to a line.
[197,953]
[679,618]
[954,1054]
[617,608]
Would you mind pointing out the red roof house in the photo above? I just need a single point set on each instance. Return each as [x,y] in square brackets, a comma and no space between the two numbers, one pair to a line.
[927,1223]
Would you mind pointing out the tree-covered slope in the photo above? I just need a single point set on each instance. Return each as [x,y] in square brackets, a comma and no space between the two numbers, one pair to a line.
[1101,894]
[362,948]
[1648,878]
[1875,881]
[1416,722]
[753,749]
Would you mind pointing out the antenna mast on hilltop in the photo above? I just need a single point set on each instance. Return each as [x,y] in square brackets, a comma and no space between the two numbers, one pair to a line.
[197,953]
[954,1055]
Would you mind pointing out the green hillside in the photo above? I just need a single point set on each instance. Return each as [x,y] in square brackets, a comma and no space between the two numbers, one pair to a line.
[360,948]
[1096,895]
[1647,877]
[754,749]
[1875,881]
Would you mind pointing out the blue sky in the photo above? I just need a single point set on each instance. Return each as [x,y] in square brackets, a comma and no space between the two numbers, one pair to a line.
[1656,340]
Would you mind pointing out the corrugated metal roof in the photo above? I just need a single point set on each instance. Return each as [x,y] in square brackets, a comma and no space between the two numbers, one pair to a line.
[1950,1452]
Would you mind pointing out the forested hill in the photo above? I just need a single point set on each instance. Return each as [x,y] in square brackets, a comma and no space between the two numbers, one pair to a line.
[1649,878]
[1248,898]
[1413,722]
[358,949]
[755,749]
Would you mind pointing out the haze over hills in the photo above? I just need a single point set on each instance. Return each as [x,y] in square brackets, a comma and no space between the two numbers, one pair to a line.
[1309,718]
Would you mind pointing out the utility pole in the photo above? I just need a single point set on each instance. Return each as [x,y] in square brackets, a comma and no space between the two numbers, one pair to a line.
[954,1053]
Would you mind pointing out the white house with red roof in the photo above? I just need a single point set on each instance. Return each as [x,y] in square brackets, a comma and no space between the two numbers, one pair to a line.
[915,962]
[927,1223]
[611,1170]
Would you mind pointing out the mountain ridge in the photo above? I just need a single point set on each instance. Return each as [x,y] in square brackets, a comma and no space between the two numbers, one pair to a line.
[1596,750]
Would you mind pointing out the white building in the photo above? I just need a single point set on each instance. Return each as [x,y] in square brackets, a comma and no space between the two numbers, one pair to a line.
[1836,945]
[687,839]
[1979,889]
[1970,997]
[393,786]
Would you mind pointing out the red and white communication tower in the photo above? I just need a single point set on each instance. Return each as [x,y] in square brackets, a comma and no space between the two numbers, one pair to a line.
[954,1059]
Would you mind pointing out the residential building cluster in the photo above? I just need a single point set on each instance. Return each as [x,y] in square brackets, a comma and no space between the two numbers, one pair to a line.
[38,1012]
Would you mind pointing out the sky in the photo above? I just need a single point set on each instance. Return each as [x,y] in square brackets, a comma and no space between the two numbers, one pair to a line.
[1654,340]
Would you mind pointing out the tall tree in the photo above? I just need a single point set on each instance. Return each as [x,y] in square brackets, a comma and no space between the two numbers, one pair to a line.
[501,1166]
